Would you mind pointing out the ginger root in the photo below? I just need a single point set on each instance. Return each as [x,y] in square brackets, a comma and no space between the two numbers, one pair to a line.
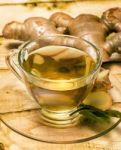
[102,81]
[86,26]
[31,29]
[112,18]
[89,27]
[61,20]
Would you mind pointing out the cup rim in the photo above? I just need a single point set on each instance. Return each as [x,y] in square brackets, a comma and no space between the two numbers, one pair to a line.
[98,63]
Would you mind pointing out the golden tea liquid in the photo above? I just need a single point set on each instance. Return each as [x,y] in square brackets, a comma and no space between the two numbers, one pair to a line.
[56,70]
[61,64]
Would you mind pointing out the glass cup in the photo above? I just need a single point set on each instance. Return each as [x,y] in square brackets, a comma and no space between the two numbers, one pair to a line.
[58,98]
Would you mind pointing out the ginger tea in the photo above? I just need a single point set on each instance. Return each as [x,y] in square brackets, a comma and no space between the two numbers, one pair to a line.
[56,70]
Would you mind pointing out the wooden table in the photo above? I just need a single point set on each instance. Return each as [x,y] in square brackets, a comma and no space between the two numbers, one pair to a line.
[14,141]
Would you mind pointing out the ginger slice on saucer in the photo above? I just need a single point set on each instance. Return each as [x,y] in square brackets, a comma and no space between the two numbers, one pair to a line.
[99,99]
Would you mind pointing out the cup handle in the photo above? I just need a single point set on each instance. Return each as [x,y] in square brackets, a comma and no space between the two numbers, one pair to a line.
[11,61]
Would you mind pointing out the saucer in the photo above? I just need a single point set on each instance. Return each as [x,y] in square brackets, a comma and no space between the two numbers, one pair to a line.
[30,125]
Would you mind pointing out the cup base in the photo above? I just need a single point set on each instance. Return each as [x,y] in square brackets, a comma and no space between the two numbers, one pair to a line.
[59,119]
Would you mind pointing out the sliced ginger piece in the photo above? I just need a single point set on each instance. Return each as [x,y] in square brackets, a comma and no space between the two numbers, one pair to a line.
[99,99]
[35,72]
[38,59]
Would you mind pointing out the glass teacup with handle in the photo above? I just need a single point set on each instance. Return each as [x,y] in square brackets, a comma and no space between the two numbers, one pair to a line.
[59,71]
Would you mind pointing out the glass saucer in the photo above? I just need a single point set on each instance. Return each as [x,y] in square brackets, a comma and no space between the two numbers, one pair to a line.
[30,125]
